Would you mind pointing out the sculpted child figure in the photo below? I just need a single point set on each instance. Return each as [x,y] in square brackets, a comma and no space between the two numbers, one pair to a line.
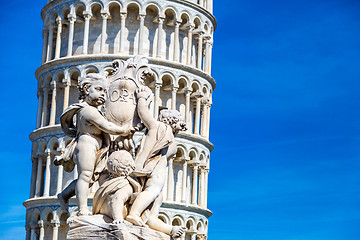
[91,129]
[156,148]
[112,195]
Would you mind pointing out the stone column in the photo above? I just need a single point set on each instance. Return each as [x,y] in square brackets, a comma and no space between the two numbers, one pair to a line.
[38,176]
[170,183]
[207,53]
[189,45]
[141,33]
[39,113]
[104,16]
[33,176]
[122,30]
[55,233]
[72,20]
[206,186]
[50,43]
[160,30]
[194,186]
[32,232]
[45,107]
[47,173]
[201,186]
[209,59]
[201,2]
[208,120]
[199,50]
[58,38]
[87,16]
[156,100]
[45,44]
[67,84]
[176,56]
[42,230]
[183,189]
[193,236]
[53,103]
[204,119]
[173,97]
[187,108]
[197,97]
[59,177]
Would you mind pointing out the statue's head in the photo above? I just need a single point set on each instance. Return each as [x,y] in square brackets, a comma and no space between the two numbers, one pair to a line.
[174,119]
[93,89]
[120,163]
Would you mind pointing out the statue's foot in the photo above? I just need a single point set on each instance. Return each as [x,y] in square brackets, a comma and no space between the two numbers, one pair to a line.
[177,231]
[118,221]
[84,212]
[64,204]
[136,220]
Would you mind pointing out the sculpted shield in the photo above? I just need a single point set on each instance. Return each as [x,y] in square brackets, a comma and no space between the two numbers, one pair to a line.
[127,76]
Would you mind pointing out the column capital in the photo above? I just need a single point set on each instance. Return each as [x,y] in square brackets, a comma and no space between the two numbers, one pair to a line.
[53,84]
[50,26]
[197,95]
[187,90]
[58,20]
[174,88]
[199,32]
[205,101]
[66,82]
[41,223]
[71,17]
[104,14]
[158,85]
[47,152]
[123,14]
[87,15]
[55,223]
[159,19]
[45,88]
[141,16]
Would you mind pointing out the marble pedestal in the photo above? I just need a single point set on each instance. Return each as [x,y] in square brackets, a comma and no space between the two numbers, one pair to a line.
[99,227]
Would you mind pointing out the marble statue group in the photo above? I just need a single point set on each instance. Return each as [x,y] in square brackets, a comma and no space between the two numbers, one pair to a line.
[131,176]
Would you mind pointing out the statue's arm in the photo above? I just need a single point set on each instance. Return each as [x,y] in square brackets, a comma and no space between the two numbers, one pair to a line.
[93,116]
[145,114]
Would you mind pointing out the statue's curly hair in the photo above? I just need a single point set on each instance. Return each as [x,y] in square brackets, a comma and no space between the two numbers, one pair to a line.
[170,116]
[120,163]
[87,81]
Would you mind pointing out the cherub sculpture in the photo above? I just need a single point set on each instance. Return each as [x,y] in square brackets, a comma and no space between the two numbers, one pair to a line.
[112,195]
[91,134]
[156,148]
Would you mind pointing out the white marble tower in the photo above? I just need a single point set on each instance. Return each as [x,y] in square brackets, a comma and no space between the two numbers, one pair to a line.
[83,36]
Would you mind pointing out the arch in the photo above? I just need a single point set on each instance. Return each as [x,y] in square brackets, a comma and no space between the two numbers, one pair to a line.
[195,85]
[190,224]
[167,78]
[152,5]
[53,144]
[65,12]
[183,82]
[45,213]
[42,145]
[200,227]
[132,4]
[197,22]
[164,217]
[185,17]
[58,76]
[74,74]
[171,12]
[181,152]
[90,69]
[113,4]
[177,220]
[94,4]
[193,154]
[202,157]
[35,215]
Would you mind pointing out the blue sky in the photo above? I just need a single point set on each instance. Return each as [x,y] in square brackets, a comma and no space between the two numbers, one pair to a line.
[285,121]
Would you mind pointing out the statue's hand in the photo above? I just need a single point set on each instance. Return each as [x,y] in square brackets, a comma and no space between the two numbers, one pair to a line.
[143,92]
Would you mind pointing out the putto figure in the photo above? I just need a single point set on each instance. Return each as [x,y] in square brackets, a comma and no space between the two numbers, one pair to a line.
[156,148]
[91,139]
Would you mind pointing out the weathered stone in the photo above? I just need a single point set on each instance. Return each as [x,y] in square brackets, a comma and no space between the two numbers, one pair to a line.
[101,227]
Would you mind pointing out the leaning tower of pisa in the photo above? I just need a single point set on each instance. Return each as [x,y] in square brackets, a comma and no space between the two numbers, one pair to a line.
[84,36]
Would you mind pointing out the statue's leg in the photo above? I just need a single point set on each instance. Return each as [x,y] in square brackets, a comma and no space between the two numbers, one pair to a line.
[85,159]
[153,187]
[65,196]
